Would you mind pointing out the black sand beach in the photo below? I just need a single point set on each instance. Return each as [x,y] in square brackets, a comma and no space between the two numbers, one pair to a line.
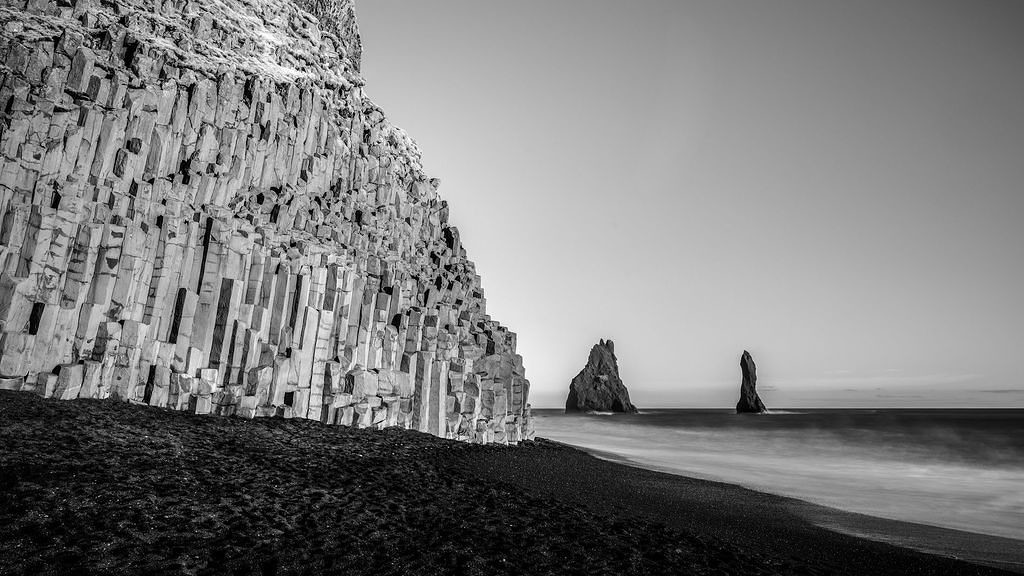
[95,487]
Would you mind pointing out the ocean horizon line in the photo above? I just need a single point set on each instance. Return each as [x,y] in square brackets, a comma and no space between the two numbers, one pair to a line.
[790,408]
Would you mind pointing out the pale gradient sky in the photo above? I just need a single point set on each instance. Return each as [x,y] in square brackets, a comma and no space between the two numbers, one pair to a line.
[835,185]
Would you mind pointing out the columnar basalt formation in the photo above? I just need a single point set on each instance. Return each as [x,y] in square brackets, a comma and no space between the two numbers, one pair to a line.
[598,387]
[749,402]
[201,210]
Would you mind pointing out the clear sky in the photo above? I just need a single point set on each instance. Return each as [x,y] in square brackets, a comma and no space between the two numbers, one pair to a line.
[835,185]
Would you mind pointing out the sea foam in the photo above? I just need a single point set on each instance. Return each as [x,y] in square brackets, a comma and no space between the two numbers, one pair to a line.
[960,469]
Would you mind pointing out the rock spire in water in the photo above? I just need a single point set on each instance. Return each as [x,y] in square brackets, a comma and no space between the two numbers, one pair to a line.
[598,386]
[749,402]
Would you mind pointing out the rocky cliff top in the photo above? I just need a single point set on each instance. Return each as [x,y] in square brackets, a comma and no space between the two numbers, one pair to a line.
[312,40]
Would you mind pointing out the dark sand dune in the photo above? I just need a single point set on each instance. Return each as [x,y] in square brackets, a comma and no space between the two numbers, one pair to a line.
[93,487]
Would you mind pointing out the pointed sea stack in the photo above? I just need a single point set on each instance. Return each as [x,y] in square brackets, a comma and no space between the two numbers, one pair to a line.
[750,402]
[598,386]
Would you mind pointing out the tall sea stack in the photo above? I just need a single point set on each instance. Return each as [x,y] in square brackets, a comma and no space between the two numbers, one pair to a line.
[201,210]
[750,402]
[598,386]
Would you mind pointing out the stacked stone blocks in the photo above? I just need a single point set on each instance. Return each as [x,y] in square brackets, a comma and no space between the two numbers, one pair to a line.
[202,211]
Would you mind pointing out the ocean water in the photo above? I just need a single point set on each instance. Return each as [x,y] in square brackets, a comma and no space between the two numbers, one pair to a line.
[960,469]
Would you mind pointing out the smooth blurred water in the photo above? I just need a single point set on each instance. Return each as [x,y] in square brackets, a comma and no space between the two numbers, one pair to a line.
[961,469]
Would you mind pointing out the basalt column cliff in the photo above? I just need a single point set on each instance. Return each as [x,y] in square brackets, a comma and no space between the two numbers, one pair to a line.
[201,210]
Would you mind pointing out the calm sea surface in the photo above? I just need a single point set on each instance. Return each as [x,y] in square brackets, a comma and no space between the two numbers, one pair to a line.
[961,469]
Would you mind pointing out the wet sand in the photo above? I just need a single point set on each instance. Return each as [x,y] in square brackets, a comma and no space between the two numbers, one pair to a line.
[95,487]
[1005,553]
[766,525]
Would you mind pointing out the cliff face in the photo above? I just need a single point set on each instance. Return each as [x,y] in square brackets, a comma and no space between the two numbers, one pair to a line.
[749,401]
[598,386]
[201,210]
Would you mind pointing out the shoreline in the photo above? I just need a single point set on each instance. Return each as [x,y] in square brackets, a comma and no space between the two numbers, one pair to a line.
[764,525]
[978,548]
[92,486]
